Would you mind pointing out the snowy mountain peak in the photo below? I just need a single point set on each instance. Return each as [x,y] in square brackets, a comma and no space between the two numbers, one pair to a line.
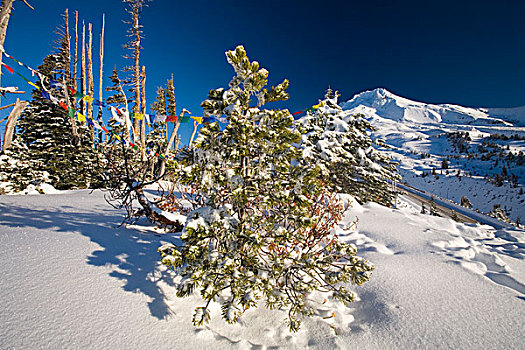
[385,104]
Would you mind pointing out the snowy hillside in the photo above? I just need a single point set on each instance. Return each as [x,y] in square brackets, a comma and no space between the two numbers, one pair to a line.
[483,151]
[72,279]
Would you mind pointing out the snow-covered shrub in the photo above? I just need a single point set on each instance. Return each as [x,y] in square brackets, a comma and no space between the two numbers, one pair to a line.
[499,213]
[465,202]
[265,230]
[340,144]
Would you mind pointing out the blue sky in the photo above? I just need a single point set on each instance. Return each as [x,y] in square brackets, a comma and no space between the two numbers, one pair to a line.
[465,52]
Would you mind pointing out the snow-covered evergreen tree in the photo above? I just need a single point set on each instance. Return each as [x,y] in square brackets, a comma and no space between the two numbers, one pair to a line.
[340,144]
[264,230]
[46,129]
[18,170]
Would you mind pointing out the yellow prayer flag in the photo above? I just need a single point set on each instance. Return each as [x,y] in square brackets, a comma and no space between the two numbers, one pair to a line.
[197,119]
[81,117]
[88,98]
[321,104]
[117,137]
[30,83]
[139,116]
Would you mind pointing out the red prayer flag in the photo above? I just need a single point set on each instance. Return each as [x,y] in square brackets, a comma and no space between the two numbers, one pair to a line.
[63,105]
[11,70]
[73,91]
[300,112]
[172,118]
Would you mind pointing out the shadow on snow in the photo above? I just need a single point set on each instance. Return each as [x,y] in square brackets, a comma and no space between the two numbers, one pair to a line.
[133,255]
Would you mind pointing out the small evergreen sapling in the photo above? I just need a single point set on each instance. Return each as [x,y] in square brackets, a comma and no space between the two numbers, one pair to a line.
[265,227]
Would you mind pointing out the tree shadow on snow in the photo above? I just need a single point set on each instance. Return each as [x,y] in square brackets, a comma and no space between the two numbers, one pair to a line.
[132,254]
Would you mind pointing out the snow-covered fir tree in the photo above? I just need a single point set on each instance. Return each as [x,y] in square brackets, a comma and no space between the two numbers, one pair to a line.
[340,144]
[46,129]
[18,170]
[264,229]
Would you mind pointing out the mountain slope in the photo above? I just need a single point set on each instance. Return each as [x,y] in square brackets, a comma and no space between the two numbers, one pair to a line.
[452,151]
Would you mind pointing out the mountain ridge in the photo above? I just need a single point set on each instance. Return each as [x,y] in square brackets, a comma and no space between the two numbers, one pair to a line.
[391,106]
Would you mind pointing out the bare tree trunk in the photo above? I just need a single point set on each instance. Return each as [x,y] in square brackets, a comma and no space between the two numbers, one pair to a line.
[143,108]
[100,134]
[11,122]
[5,13]
[174,133]
[76,57]
[121,91]
[73,121]
[67,70]
[90,72]
[195,125]
[177,143]
[83,68]
[136,31]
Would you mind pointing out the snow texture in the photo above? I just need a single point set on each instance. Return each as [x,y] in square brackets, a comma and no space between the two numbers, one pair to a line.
[71,278]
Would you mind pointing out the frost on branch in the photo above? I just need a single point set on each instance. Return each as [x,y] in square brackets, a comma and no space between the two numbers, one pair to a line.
[265,230]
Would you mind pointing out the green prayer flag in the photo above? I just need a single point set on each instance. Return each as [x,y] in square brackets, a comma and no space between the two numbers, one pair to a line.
[185,119]
[71,112]
[78,94]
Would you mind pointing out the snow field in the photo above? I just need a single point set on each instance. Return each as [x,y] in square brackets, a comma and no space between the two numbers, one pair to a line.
[72,279]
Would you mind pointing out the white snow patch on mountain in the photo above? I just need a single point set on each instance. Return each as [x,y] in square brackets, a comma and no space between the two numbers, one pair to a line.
[390,106]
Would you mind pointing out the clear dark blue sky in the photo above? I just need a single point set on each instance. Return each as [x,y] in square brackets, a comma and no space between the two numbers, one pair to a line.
[465,52]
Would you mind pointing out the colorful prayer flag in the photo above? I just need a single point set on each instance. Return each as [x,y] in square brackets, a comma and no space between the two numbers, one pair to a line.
[99,103]
[208,119]
[160,119]
[33,84]
[88,98]
[197,119]
[45,94]
[11,70]
[71,113]
[297,113]
[115,115]
[63,105]
[172,118]
[97,125]
[139,116]
[185,119]
[81,117]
